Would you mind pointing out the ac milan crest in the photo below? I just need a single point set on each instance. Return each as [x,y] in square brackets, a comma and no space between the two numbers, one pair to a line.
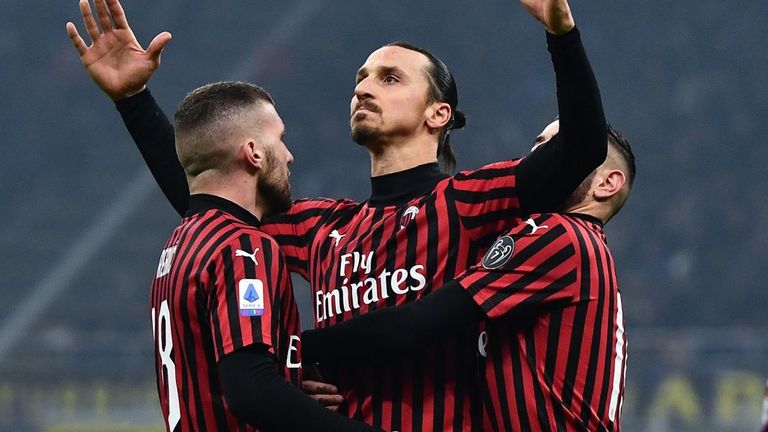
[409,215]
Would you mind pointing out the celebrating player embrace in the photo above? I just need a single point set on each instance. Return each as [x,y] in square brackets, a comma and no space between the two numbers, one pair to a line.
[555,346]
[419,229]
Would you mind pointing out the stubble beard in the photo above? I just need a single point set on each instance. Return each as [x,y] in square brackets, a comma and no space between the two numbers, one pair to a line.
[365,135]
[275,191]
[364,132]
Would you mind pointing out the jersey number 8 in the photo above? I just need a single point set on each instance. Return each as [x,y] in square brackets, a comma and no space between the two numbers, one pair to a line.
[161,332]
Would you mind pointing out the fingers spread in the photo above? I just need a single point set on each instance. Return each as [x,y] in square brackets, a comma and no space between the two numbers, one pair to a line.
[118,14]
[157,45]
[103,13]
[77,41]
[90,22]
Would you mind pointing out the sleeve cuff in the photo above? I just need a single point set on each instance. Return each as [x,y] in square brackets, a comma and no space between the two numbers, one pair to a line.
[143,97]
[478,295]
[570,38]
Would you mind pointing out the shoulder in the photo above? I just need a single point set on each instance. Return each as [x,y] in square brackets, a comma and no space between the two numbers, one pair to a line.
[322,203]
[495,169]
[310,208]
[538,224]
[559,233]
[245,237]
[552,232]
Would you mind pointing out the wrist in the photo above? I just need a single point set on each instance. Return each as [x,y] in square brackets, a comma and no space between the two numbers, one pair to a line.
[125,95]
[563,27]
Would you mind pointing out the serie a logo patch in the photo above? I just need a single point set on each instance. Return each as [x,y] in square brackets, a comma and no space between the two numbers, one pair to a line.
[251,295]
[500,253]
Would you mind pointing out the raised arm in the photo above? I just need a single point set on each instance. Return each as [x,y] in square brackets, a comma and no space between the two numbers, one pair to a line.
[121,68]
[154,136]
[550,174]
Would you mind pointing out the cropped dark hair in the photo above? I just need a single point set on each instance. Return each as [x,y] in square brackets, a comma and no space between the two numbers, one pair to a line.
[212,102]
[205,116]
[442,88]
[621,144]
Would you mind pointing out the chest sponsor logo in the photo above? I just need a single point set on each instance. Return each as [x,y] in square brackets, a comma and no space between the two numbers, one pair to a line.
[251,296]
[408,216]
[500,253]
[360,285]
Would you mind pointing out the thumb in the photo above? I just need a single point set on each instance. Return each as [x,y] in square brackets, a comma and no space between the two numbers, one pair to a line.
[157,46]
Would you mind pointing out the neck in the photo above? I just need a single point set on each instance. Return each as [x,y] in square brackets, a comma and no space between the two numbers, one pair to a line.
[592,208]
[238,189]
[401,154]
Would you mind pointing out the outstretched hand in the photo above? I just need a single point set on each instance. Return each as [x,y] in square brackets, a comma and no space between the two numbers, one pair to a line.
[554,14]
[115,59]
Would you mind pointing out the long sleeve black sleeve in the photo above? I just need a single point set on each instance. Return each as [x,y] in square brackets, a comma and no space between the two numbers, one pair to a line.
[257,395]
[395,331]
[153,135]
[547,176]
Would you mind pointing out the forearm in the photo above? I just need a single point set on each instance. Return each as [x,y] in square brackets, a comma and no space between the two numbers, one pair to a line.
[550,174]
[257,395]
[393,332]
[582,120]
[153,135]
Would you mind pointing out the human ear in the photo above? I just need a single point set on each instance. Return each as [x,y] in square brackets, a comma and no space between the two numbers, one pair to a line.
[609,183]
[438,115]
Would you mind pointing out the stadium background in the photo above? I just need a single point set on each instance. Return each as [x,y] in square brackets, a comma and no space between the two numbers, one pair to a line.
[82,223]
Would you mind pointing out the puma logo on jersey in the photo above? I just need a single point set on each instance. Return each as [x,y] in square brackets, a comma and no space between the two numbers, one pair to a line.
[409,215]
[336,236]
[252,256]
[534,226]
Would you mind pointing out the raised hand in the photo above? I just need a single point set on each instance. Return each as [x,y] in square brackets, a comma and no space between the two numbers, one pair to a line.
[115,59]
[554,14]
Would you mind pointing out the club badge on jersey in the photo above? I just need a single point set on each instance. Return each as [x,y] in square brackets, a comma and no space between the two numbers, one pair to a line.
[500,253]
[251,295]
[408,215]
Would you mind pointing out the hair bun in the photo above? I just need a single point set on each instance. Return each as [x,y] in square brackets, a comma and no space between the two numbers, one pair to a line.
[459,120]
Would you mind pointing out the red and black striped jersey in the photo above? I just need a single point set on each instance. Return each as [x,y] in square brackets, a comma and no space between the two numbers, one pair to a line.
[555,346]
[221,284]
[359,257]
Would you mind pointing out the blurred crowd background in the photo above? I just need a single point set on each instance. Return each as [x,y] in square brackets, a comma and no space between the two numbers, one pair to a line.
[82,223]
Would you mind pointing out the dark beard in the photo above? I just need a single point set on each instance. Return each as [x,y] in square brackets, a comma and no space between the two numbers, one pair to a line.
[364,135]
[276,197]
